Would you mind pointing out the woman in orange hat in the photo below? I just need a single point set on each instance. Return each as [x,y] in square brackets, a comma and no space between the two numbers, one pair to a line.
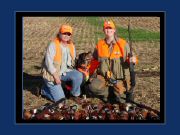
[57,67]
[111,56]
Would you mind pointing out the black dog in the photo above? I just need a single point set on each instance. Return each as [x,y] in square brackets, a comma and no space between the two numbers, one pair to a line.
[82,64]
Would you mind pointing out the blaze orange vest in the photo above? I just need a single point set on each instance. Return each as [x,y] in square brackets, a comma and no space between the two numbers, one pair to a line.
[118,50]
[57,60]
[57,57]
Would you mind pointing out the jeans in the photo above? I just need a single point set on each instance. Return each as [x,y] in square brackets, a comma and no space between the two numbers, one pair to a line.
[55,92]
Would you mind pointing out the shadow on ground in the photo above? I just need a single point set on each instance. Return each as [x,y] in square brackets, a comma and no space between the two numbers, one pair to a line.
[32,82]
[148,74]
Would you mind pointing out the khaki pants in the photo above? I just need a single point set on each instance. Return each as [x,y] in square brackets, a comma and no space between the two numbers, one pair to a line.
[99,88]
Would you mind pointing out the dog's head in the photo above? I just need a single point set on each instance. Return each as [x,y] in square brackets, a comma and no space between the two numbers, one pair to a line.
[84,60]
[83,64]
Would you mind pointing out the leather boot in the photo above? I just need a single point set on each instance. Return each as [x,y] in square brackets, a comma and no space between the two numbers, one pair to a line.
[129,97]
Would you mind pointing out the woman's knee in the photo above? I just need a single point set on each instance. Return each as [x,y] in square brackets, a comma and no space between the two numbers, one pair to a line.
[77,76]
[56,92]
[59,95]
[97,89]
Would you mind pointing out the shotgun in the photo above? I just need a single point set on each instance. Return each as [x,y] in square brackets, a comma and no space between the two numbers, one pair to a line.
[131,65]
[129,92]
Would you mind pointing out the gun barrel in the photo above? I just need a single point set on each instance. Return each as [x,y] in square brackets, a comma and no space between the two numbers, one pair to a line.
[130,41]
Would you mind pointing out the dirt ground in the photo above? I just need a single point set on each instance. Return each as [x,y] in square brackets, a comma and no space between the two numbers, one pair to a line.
[38,31]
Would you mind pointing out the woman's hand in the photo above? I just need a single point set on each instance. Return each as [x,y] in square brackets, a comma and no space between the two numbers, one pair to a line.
[56,78]
[133,60]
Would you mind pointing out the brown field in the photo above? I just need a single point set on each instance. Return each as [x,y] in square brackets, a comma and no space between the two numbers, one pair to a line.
[38,31]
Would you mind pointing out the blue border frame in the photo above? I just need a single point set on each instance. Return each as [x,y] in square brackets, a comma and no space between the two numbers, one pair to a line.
[172,65]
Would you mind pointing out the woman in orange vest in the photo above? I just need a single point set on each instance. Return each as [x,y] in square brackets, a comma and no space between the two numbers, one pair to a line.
[57,67]
[111,64]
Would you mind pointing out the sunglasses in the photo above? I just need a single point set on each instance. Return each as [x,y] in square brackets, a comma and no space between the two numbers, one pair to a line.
[108,28]
[67,33]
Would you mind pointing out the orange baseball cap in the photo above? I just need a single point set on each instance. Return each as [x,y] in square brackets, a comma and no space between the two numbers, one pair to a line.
[109,24]
[65,28]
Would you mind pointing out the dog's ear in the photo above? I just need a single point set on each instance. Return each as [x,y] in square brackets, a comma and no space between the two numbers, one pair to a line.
[81,59]
[82,56]
[89,53]
[76,62]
